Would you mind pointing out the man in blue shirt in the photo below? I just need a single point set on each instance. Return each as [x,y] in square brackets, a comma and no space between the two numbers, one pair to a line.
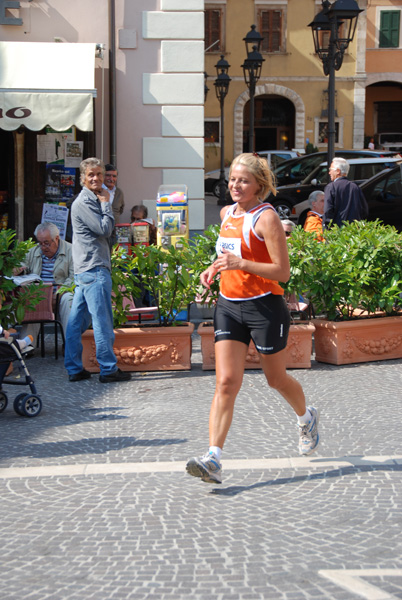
[92,222]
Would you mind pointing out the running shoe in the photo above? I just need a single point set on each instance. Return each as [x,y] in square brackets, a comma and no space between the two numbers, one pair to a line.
[207,467]
[309,438]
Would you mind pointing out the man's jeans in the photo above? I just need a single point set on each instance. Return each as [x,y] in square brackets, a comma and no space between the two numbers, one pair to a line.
[92,300]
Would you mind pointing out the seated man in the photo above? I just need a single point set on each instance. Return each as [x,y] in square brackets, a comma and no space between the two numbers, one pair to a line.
[52,260]
[313,221]
[140,213]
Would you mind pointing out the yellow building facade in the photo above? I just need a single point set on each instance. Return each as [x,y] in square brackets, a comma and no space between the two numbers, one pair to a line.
[291,99]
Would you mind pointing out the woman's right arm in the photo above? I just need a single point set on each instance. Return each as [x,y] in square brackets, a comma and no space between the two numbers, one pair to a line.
[207,276]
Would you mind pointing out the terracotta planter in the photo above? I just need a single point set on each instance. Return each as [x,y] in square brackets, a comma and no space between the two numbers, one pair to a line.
[146,348]
[358,341]
[298,350]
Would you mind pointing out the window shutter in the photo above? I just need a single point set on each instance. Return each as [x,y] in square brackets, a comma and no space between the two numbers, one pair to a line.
[271,29]
[389,28]
[213,29]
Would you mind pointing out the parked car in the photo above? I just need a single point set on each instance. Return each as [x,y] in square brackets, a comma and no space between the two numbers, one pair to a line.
[274,158]
[288,196]
[383,193]
[384,197]
[390,141]
[297,169]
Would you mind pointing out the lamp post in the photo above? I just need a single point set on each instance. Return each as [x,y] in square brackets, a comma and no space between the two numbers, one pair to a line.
[252,72]
[206,88]
[221,88]
[333,29]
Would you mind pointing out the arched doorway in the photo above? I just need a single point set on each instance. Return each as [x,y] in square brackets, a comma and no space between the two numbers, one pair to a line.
[274,123]
[269,90]
[383,112]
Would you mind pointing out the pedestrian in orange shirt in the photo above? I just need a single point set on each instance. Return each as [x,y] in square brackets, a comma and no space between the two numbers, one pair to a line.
[314,216]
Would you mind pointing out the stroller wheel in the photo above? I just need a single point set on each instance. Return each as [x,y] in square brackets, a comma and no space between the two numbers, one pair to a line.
[17,402]
[30,406]
[3,401]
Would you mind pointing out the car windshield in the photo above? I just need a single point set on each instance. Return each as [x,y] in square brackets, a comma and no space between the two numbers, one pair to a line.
[305,166]
[277,159]
[286,165]
[320,173]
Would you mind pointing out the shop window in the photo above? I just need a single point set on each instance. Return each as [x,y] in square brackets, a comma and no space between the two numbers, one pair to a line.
[271,27]
[214,29]
[212,132]
[389,28]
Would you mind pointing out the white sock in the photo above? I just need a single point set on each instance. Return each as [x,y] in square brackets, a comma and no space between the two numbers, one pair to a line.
[217,451]
[304,419]
[24,342]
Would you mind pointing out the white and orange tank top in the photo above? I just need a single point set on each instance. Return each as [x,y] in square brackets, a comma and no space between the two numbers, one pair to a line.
[238,235]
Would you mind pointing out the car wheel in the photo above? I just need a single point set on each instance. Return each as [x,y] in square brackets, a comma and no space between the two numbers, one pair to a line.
[216,188]
[284,209]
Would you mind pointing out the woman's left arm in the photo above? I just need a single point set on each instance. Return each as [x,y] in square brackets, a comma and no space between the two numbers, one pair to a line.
[268,227]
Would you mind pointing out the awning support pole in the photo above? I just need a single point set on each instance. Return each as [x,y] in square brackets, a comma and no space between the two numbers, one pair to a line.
[19,168]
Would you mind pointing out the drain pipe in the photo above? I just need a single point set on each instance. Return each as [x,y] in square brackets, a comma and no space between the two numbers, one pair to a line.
[112,81]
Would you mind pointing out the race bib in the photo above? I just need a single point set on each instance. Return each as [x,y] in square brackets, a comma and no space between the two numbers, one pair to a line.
[232,245]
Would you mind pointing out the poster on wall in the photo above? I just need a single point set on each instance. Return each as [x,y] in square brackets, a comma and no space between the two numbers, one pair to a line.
[60,183]
[54,213]
[73,154]
[50,147]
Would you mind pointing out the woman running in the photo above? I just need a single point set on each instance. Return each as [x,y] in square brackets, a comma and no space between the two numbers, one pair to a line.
[252,258]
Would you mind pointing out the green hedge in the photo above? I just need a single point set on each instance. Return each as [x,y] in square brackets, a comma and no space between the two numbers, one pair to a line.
[356,269]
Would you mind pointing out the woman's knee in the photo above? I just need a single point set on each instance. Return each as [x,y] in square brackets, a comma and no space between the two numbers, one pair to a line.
[277,381]
[227,384]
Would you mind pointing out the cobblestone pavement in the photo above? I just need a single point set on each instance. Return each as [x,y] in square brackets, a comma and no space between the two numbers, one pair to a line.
[96,503]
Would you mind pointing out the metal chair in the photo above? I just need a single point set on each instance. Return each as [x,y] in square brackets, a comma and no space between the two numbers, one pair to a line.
[137,314]
[43,314]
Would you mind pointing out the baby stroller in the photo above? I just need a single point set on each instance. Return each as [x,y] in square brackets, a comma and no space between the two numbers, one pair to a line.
[26,405]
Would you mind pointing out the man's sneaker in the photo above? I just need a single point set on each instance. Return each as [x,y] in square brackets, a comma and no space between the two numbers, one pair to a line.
[309,437]
[115,376]
[207,467]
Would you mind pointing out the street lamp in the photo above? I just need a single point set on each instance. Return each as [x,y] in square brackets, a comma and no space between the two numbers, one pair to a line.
[333,29]
[221,88]
[206,88]
[252,72]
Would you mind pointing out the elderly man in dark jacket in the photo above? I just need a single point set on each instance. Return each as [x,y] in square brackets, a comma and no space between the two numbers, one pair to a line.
[344,201]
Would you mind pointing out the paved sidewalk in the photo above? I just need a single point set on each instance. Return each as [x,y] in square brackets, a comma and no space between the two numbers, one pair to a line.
[97,505]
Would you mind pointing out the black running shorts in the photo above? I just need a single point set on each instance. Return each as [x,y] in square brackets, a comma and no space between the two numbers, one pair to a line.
[265,320]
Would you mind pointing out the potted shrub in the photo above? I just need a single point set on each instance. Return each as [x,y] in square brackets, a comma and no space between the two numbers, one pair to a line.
[299,345]
[353,279]
[166,345]
[13,303]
